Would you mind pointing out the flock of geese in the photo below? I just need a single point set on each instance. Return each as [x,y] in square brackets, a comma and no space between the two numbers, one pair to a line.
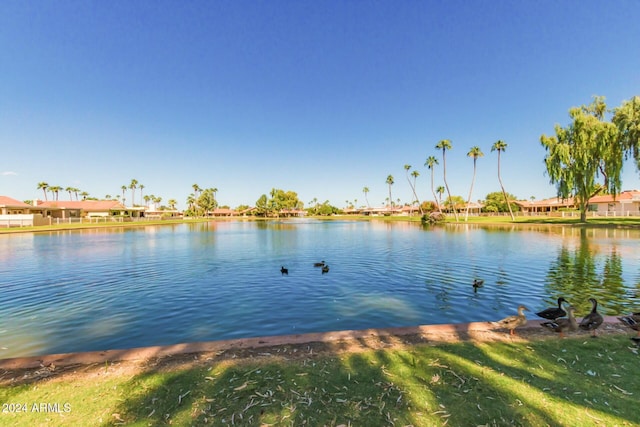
[561,324]
[322,265]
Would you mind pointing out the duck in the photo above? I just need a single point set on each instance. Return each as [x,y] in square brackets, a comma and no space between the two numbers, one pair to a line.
[564,324]
[325,269]
[513,322]
[319,264]
[477,283]
[553,313]
[284,271]
[632,321]
[593,320]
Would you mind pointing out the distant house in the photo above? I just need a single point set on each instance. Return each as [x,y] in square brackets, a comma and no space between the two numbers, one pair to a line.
[224,212]
[85,208]
[553,204]
[626,203]
[9,206]
[14,213]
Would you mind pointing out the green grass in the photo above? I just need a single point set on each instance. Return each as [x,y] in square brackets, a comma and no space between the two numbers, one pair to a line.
[559,382]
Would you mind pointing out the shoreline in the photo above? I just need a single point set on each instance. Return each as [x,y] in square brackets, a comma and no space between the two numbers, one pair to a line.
[529,222]
[335,340]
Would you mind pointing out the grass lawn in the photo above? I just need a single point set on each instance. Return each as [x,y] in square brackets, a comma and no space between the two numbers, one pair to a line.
[577,381]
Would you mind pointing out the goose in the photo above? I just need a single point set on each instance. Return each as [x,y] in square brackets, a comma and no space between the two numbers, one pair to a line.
[553,313]
[284,271]
[632,321]
[563,324]
[593,320]
[513,322]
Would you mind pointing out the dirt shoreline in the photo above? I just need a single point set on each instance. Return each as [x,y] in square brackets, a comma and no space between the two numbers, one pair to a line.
[322,342]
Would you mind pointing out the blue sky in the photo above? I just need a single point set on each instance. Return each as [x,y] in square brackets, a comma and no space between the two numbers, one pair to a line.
[321,98]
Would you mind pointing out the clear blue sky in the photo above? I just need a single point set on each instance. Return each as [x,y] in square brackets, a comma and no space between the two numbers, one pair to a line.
[322,98]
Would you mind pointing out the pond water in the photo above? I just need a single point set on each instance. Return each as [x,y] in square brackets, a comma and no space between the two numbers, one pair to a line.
[118,288]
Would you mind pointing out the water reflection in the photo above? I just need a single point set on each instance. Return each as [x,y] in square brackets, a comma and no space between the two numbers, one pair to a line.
[583,271]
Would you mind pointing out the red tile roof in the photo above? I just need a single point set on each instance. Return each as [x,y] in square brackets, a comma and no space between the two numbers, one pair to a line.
[608,198]
[85,205]
[8,201]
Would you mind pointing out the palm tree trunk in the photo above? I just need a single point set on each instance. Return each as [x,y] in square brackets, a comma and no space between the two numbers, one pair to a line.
[466,216]
[446,185]
[434,193]
[504,193]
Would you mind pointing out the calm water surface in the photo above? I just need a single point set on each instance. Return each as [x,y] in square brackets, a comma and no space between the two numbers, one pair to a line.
[119,288]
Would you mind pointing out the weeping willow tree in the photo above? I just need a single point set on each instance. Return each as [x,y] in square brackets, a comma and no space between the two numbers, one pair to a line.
[586,157]
[627,119]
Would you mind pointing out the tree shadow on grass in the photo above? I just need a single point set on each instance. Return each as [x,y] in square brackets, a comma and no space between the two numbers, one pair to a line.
[391,379]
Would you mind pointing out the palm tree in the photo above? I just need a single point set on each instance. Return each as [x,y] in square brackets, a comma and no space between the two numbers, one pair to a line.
[146,199]
[415,175]
[445,145]
[365,190]
[389,182]
[133,186]
[123,188]
[43,186]
[474,152]
[84,195]
[172,203]
[196,190]
[500,146]
[141,187]
[214,191]
[76,191]
[430,164]
[107,197]
[69,190]
[440,191]
[55,190]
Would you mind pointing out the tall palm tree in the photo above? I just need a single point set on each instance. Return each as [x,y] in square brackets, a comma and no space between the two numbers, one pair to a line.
[500,146]
[389,182]
[172,203]
[133,186]
[43,186]
[69,190]
[365,190]
[440,191]
[141,187]
[84,195]
[196,190]
[474,153]
[415,174]
[123,188]
[76,191]
[445,145]
[430,164]
[55,190]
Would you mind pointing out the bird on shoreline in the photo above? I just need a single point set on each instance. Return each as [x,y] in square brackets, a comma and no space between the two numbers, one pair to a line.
[563,324]
[513,322]
[554,312]
[593,320]
[632,321]
[284,271]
